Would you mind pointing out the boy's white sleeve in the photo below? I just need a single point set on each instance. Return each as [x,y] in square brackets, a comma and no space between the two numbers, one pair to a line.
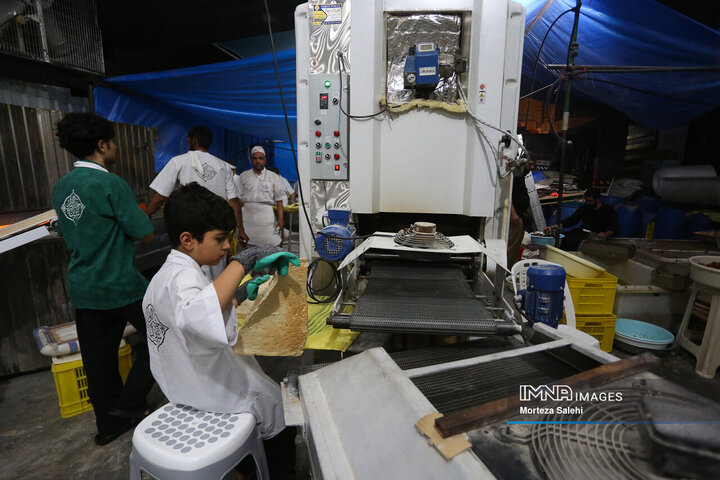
[198,314]
[167,179]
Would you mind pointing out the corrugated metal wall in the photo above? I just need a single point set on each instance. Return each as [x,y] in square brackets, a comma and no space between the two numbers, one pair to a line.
[33,283]
[31,160]
[36,95]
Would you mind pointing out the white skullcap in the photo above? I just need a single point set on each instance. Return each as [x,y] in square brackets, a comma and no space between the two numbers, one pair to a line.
[257,149]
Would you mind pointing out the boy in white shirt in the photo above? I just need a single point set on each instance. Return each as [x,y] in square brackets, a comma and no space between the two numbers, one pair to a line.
[191,321]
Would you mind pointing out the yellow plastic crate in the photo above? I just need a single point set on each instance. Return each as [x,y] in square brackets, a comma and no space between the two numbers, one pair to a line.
[593,296]
[602,327]
[71,382]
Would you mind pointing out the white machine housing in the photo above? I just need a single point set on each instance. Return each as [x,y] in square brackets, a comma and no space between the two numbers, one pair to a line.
[424,160]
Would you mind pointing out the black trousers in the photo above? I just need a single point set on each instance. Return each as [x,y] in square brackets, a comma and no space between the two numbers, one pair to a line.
[99,333]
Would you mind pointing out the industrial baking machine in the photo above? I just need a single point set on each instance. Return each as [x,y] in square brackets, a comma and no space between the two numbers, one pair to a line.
[406,114]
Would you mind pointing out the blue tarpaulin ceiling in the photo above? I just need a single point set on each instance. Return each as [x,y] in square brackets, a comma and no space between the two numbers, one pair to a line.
[240,101]
[630,33]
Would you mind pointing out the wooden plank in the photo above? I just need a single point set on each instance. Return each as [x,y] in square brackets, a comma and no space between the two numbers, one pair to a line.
[27,224]
[476,417]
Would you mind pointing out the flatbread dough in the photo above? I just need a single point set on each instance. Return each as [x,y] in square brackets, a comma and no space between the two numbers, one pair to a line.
[276,323]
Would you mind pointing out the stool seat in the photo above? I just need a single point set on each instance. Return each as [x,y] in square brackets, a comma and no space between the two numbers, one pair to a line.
[178,441]
[707,352]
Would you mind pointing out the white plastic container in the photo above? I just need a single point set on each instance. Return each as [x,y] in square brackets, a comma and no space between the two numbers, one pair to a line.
[701,273]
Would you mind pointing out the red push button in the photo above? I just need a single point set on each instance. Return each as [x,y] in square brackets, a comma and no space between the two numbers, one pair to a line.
[336,133]
[337,156]
[318,133]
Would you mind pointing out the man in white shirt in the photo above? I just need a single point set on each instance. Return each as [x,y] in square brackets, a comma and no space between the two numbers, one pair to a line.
[284,184]
[197,165]
[259,189]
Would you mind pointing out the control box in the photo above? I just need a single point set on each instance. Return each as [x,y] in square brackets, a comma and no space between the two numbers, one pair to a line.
[329,127]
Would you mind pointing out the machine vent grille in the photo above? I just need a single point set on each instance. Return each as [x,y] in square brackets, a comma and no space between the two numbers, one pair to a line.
[60,32]
[408,237]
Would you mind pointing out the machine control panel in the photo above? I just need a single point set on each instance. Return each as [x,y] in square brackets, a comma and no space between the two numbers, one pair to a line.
[329,127]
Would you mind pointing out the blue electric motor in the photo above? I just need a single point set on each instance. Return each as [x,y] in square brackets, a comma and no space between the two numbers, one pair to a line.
[334,242]
[545,294]
[422,69]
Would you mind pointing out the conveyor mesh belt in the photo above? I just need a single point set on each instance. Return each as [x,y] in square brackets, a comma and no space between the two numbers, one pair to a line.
[423,357]
[462,388]
[428,299]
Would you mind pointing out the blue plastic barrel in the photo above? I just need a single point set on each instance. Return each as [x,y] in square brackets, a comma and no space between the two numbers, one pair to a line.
[629,220]
[698,222]
[670,224]
[610,200]
[649,207]
[650,204]
[567,210]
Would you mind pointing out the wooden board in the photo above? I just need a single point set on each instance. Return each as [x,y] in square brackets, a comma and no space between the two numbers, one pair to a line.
[27,224]
[275,324]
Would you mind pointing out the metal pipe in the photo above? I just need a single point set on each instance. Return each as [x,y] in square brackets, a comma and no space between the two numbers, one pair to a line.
[572,52]
[43,34]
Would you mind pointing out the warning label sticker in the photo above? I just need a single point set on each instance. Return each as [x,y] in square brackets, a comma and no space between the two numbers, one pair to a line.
[327,14]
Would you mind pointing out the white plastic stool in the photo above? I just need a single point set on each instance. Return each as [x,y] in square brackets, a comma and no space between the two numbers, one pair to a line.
[707,352]
[180,442]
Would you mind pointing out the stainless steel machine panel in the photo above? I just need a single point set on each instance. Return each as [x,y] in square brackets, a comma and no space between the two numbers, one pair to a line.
[328,127]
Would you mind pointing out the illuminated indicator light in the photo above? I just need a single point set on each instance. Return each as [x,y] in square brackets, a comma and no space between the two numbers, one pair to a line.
[318,133]
[337,168]
[337,156]
[336,133]
[328,84]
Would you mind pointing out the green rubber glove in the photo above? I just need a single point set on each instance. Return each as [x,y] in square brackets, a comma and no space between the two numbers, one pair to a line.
[254,285]
[249,289]
[279,261]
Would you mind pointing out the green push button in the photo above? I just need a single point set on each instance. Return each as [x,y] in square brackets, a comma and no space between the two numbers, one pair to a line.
[328,84]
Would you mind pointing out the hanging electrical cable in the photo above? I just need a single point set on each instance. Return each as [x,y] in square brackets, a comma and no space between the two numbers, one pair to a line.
[287,121]
[537,60]
[341,62]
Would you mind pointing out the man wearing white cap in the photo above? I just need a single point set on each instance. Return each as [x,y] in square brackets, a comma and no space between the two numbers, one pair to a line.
[259,189]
